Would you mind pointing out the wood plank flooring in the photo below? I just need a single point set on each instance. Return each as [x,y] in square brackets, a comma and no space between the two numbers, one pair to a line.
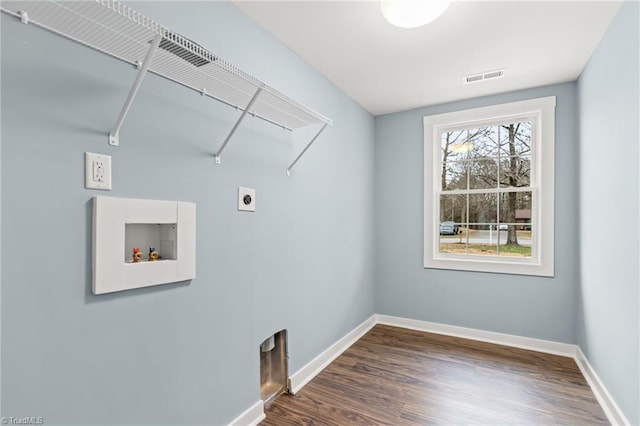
[394,376]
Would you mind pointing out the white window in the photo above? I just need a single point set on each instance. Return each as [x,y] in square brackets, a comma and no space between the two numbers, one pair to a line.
[488,190]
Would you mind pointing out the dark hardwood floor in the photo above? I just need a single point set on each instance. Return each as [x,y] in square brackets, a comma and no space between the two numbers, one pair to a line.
[394,376]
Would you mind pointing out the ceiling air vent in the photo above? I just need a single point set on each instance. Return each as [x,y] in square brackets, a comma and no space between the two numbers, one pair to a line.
[488,75]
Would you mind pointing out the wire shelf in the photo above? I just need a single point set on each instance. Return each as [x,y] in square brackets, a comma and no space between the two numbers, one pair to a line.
[118,30]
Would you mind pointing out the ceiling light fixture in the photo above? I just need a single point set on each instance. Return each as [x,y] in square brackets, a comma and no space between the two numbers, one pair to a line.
[412,13]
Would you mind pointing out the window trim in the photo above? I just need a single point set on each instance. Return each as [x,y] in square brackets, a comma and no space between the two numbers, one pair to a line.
[542,184]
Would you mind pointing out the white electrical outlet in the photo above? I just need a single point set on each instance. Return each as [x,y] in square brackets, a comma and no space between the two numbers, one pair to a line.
[246,199]
[97,171]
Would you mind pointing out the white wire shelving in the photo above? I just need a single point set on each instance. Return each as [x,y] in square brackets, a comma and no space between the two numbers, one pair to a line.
[117,30]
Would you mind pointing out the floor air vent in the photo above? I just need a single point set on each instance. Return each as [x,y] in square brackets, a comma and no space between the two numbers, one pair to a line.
[488,75]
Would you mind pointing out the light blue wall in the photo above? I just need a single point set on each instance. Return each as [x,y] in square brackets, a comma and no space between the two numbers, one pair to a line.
[183,353]
[608,321]
[522,305]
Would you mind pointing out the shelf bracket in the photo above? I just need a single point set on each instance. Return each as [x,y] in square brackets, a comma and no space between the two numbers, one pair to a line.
[235,126]
[114,135]
[305,149]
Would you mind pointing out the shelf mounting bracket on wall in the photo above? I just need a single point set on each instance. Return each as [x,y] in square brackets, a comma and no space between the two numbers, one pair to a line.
[114,135]
[324,126]
[235,126]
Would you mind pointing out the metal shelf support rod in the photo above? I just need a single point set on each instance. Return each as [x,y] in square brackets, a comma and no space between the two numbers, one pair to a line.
[114,135]
[305,149]
[235,126]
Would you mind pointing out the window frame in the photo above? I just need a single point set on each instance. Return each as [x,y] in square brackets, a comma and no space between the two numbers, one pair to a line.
[542,182]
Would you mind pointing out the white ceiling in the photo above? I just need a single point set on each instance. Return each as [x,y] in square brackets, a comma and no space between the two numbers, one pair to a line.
[388,69]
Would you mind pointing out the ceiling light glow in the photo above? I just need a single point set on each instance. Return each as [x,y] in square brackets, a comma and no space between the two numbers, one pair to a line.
[412,13]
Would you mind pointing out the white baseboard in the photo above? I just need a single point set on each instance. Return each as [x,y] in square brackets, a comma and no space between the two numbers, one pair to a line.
[546,346]
[251,417]
[608,404]
[316,365]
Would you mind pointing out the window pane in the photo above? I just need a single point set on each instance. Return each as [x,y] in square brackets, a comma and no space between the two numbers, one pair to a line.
[523,248]
[515,224]
[481,239]
[483,208]
[453,244]
[485,142]
[483,212]
[454,145]
[452,231]
[515,139]
[454,175]
[515,171]
[483,246]
[483,173]
[515,207]
[453,208]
